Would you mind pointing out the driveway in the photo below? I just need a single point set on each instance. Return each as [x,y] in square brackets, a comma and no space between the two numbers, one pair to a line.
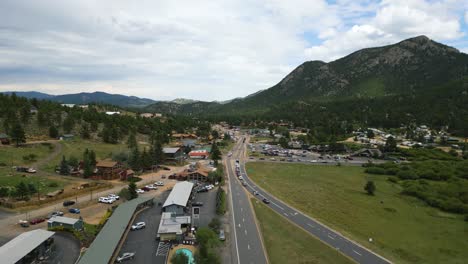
[67,249]
[208,210]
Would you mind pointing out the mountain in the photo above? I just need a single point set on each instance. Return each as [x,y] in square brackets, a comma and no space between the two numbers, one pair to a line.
[86,98]
[183,101]
[31,94]
[101,97]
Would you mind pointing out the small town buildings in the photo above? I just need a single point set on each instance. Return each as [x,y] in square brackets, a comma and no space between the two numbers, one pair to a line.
[173,154]
[199,154]
[366,152]
[4,139]
[27,248]
[33,110]
[177,200]
[182,136]
[126,174]
[199,175]
[67,137]
[147,115]
[112,113]
[172,227]
[108,169]
[65,222]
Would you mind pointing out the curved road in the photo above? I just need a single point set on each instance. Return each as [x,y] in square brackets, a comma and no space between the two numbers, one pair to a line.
[333,238]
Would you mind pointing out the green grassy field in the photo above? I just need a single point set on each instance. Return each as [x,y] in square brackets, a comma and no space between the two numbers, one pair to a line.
[76,148]
[287,243]
[8,177]
[404,229]
[12,156]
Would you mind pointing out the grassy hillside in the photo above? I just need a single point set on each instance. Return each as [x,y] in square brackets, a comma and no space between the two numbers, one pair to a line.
[403,228]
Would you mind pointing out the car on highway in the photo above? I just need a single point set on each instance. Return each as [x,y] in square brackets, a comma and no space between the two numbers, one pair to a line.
[197,204]
[36,221]
[237,161]
[255,192]
[68,203]
[125,256]
[140,191]
[241,178]
[55,213]
[138,226]
[74,210]
[244,183]
[265,200]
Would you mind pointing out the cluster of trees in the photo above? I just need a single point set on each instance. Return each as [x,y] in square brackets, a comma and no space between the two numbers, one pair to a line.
[215,153]
[144,160]
[21,191]
[440,183]
[88,164]
[217,175]
[221,201]
[208,244]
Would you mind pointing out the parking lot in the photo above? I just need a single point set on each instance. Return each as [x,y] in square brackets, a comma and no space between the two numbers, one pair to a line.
[208,210]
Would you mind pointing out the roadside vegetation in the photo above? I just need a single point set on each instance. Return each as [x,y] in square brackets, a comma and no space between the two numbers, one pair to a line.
[287,243]
[403,228]
[208,247]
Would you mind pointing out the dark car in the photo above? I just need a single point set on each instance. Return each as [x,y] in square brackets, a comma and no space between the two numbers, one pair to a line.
[74,210]
[57,213]
[202,190]
[197,204]
[265,200]
[146,189]
[68,203]
[36,221]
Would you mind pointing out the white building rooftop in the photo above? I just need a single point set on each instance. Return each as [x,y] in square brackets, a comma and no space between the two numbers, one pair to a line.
[172,224]
[64,220]
[21,245]
[179,194]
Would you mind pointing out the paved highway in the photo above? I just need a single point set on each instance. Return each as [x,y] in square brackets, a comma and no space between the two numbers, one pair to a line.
[325,234]
[247,242]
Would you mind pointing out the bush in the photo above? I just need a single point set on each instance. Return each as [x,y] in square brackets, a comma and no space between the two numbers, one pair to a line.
[392,179]
[53,185]
[215,224]
[134,179]
[125,194]
[221,201]
[375,170]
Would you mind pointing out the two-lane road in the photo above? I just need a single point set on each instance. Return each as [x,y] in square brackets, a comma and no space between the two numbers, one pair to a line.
[334,239]
[246,237]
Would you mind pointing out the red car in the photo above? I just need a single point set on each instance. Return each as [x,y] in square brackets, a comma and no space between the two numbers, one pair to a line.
[36,221]
[146,189]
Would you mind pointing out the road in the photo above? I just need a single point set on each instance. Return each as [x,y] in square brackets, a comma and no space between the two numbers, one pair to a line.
[246,237]
[333,238]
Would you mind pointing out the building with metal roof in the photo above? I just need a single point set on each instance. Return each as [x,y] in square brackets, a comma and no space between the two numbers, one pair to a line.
[177,200]
[66,222]
[173,227]
[26,248]
[103,248]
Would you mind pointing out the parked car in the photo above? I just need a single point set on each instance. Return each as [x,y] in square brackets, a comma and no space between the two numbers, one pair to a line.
[159,183]
[221,235]
[265,200]
[146,189]
[140,191]
[105,200]
[126,256]
[113,196]
[36,221]
[202,190]
[31,170]
[138,226]
[24,223]
[68,203]
[151,187]
[74,210]
[197,204]
[56,213]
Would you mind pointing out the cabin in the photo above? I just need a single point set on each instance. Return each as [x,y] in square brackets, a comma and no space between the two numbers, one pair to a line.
[4,139]
[108,169]
[173,154]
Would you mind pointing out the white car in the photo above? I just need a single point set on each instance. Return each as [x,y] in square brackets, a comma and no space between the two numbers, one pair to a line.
[126,256]
[241,178]
[159,183]
[113,196]
[138,226]
[105,200]
[313,161]
[140,191]
[151,187]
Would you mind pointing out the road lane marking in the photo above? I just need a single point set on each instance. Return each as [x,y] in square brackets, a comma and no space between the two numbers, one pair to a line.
[239,225]
[357,252]
[285,214]
[311,225]
[245,231]
[278,206]
[331,237]
[241,209]
[248,246]
[243,220]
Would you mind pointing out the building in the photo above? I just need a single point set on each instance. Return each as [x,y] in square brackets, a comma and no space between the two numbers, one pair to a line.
[67,137]
[127,174]
[108,169]
[4,139]
[173,154]
[172,227]
[370,153]
[178,199]
[65,222]
[199,154]
[105,246]
[183,136]
[147,115]
[27,248]
[112,113]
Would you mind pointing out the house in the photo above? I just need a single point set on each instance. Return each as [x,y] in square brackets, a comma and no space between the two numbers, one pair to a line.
[146,115]
[177,201]
[366,152]
[4,139]
[199,154]
[67,137]
[200,175]
[108,169]
[126,174]
[182,136]
[28,247]
[172,227]
[65,222]
[33,110]
[173,154]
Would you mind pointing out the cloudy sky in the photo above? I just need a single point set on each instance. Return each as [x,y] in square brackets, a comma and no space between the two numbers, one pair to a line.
[206,50]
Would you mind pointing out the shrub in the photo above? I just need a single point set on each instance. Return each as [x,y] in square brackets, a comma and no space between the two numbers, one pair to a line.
[134,179]
[375,170]
[53,185]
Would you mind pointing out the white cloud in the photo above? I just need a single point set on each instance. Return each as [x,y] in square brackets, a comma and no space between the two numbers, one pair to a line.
[202,49]
[466,17]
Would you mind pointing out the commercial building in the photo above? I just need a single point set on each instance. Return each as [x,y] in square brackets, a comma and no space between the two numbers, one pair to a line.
[199,154]
[172,227]
[178,199]
[108,169]
[173,154]
[28,247]
[65,222]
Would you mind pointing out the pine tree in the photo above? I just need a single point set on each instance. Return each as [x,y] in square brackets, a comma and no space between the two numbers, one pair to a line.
[64,166]
[22,190]
[145,159]
[17,134]
[157,154]
[370,187]
[215,153]
[53,132]
[132,190]
[85,133]
[134,159]
[131,141]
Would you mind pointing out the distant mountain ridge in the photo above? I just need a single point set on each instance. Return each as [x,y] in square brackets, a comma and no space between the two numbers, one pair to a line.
[87,98]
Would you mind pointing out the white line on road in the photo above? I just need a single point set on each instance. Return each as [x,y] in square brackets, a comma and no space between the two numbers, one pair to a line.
[248,246]
[331,237]
[285,214]
[241,209]
[278,206]
[245,232]
[311,225]
[243,220]
[357,252]
[239,225]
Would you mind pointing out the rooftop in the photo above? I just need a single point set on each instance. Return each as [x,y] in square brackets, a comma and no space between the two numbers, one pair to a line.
[65,220]
[179,194]
[170,150]
[106,163]
[21,245]
[170,224]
